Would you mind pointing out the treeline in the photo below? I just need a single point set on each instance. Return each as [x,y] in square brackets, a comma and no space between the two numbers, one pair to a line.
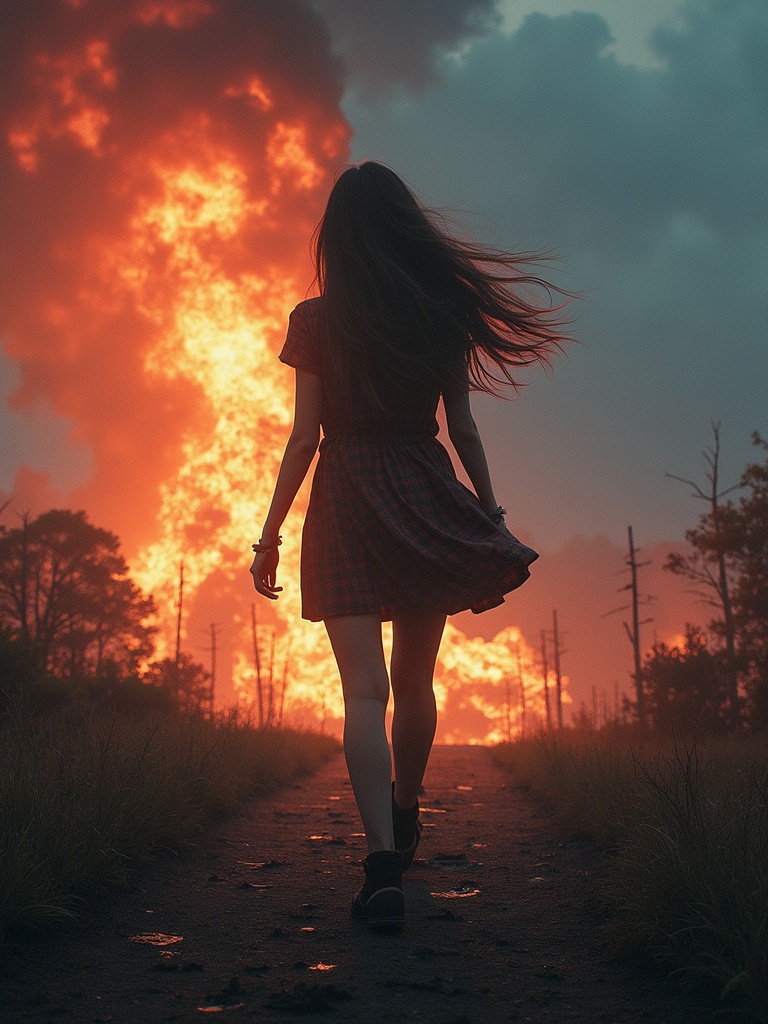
[107,755]
[716,677]
[74,627]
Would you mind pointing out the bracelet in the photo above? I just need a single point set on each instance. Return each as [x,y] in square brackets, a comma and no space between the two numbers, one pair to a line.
[497,516]
[262,549]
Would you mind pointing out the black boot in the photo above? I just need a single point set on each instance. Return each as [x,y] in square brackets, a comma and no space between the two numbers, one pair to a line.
[380,901]
[407,829]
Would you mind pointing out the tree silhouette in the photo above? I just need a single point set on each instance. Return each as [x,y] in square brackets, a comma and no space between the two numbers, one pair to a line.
[65,592]
[747,528]
[185,681]
[686,684]
[708,565]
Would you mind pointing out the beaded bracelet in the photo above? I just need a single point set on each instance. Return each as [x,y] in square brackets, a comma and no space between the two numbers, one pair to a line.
[262,549]
[497,516]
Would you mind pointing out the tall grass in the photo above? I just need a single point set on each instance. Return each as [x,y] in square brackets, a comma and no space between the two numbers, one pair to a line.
[84,799]
[687,824]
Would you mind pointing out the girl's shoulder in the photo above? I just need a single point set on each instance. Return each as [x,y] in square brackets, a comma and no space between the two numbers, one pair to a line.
[301,343]
[308,310]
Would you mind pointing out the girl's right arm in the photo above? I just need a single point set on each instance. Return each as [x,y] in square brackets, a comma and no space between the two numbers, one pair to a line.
[299,452]
[466,439]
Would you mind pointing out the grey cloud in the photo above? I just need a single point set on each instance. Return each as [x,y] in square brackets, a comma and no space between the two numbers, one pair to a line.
[653,182]
[391,44]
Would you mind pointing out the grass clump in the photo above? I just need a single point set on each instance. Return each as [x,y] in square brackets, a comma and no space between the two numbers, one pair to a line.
[686,822]
[86,798]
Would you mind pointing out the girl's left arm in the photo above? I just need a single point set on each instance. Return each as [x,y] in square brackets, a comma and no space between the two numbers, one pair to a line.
[297,458]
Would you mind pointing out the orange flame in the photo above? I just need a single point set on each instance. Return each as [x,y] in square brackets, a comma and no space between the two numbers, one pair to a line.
[69,82]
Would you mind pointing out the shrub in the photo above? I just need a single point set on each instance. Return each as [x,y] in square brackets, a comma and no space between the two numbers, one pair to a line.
[687,822]
[85,798]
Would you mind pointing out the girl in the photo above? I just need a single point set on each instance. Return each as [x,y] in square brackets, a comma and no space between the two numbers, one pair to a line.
[406,314]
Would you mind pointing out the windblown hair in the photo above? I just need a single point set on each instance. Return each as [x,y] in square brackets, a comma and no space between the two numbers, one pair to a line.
[405,301]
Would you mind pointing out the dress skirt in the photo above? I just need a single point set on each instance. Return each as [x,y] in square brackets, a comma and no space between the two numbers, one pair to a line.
[389,527]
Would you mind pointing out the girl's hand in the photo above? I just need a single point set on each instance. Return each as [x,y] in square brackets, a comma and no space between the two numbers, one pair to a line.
[264,571]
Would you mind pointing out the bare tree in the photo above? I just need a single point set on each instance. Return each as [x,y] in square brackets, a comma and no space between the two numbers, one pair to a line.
[707,566]
[257,664]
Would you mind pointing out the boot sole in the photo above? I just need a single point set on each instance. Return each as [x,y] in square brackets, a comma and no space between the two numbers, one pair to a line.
[386,924]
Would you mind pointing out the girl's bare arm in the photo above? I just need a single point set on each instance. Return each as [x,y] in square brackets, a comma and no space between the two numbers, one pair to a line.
[297,458]
[466,439]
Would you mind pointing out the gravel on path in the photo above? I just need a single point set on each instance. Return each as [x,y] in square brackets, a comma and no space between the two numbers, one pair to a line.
[252,923]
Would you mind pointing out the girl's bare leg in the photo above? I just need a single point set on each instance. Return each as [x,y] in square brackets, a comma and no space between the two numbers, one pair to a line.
[356,643]
[415,641]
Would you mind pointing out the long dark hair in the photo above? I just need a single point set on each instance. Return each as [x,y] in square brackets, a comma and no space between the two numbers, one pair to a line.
[406,301]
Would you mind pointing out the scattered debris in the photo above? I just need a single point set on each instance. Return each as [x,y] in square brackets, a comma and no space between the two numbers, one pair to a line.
[456,894]
[156,939]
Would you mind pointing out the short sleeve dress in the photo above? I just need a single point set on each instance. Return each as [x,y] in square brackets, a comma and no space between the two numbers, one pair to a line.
[389,526]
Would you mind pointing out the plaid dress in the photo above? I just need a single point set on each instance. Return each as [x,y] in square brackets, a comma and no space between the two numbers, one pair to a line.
[389,527]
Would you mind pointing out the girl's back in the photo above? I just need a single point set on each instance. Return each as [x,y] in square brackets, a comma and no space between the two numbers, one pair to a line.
[347,408]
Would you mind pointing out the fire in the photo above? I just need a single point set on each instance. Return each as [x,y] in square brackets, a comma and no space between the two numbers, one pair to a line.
[210,208]
[494,689]
[255,89]
[287,154]
[70,107]
[215,331]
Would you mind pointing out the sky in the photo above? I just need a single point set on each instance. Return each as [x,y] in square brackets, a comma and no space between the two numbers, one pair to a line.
[630,140]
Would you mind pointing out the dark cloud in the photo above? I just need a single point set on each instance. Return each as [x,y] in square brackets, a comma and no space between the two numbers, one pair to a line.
[395,44]
[652,182]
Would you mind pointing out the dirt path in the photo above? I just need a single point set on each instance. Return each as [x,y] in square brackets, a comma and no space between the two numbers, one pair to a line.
[261,904]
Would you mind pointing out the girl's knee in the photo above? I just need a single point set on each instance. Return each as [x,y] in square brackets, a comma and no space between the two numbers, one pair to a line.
[366,687]
[413,685]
